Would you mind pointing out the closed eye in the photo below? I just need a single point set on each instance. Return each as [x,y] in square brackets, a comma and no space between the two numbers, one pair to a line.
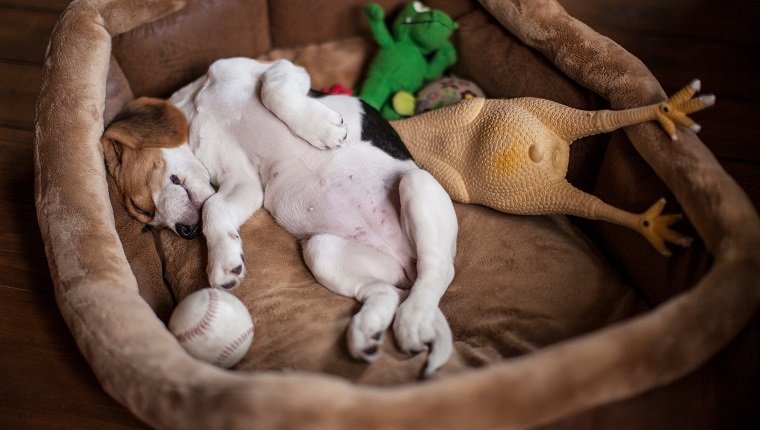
[141,210]
[175,180]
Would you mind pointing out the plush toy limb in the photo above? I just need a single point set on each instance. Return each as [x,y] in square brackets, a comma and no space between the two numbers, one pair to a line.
[389,113]
[444,58]
[375,91]
[376,19]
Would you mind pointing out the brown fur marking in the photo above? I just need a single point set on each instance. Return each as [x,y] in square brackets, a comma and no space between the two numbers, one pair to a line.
[131,146]
[149,123]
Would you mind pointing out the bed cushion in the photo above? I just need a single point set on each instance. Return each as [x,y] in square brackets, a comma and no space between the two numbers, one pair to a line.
[537,281]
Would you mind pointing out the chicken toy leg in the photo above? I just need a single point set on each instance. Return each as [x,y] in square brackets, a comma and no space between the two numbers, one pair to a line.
[512,155]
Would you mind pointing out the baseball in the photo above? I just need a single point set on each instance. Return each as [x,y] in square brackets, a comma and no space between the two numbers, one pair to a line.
[214,326]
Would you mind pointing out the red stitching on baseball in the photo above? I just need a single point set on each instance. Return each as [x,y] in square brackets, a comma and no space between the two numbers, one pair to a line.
[234,345]
[205,322]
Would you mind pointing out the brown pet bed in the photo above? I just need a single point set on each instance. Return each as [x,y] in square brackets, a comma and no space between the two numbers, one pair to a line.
[552,318]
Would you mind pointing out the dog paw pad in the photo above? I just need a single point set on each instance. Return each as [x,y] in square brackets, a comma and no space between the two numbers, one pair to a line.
[229,285]
[372,350]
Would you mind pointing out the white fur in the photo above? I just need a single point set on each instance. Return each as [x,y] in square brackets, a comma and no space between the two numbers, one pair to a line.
[371,224]
[181,204]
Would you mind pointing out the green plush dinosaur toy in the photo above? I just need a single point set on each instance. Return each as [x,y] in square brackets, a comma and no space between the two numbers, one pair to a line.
[418,51]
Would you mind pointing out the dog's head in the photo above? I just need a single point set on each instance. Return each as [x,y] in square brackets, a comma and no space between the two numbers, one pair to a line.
[160,180]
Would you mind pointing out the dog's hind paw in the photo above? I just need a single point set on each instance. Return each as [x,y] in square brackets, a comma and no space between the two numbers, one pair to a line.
[364,347]
[417,329]
[365,335]
[413,328]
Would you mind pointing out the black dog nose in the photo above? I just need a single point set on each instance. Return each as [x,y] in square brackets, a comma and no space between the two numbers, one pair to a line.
[188,232]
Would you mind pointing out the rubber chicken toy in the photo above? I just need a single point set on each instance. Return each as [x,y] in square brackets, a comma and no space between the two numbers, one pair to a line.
[512,155]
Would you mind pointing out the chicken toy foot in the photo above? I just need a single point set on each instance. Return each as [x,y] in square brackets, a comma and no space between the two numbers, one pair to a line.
[655,228]
[674,111]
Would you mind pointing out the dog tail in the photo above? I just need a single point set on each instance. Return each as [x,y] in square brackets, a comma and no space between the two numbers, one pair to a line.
[441,347]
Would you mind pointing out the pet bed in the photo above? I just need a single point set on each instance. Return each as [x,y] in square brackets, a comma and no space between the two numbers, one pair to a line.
[554,321]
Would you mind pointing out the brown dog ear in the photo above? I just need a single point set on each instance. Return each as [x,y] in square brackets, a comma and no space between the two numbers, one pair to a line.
[147,123]
[112,152]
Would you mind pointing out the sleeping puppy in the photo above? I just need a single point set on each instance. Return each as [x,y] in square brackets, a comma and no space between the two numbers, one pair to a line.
[330,170]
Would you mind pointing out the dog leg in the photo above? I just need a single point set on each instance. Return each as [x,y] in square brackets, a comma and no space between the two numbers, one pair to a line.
[224,212]
[352,269]
[429,220]
[284,90]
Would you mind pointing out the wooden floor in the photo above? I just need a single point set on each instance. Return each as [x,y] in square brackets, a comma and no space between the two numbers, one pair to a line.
[45,382]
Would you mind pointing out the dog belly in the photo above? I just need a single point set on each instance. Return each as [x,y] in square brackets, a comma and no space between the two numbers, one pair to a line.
[356,201]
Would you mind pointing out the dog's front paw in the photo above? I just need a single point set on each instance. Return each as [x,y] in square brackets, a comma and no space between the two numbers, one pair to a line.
[226,268]
[322,127]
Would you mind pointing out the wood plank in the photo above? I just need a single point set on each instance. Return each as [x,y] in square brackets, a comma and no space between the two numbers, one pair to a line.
[16,163]
[23,264]
[19,87]
[46,384]
[46,5]
[24,34]
[734,21]
[725,69]
[730,129]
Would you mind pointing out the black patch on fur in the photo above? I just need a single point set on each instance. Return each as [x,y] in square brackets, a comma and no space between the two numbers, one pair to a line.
[377,130]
